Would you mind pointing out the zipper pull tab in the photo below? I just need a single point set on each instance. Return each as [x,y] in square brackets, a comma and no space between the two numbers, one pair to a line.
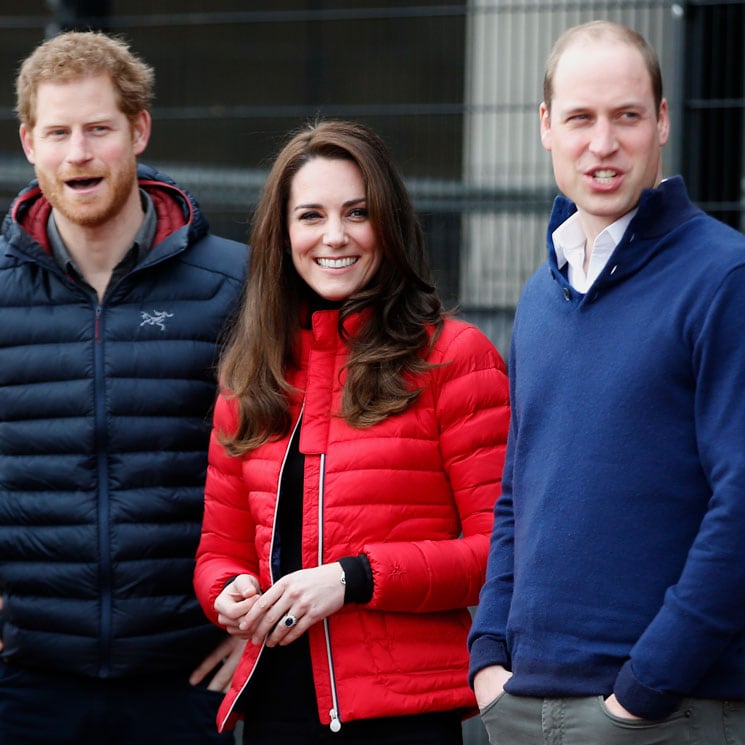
[99,311]
[335,723]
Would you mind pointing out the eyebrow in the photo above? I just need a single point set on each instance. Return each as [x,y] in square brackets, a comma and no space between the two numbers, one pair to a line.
[313,206]
[581,109]
[66,125]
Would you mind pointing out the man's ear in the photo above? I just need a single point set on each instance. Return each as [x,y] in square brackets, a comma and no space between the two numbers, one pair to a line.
[141,127]
[663,123]
[27,142]
[545,126]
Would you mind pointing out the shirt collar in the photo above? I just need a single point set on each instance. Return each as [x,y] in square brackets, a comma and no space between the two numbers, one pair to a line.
[569,238]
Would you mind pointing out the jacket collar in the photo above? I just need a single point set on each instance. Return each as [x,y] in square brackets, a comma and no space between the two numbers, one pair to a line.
[175,209]
[661,211]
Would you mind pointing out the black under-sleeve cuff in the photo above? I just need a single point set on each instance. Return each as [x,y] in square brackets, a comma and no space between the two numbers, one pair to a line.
[359,579]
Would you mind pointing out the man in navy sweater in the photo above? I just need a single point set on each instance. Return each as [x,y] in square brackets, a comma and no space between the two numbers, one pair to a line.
[614,604]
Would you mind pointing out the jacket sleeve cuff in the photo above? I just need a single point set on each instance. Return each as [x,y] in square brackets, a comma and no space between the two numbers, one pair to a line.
[487,651]
[640,700]
[358,579]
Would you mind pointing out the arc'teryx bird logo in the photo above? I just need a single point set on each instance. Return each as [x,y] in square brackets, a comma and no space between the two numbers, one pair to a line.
[156,318]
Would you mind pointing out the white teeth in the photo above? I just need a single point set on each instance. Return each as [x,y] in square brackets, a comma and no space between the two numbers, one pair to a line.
[336,263]
[606,175]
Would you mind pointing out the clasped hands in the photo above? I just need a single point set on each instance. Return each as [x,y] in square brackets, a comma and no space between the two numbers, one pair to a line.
[286,610]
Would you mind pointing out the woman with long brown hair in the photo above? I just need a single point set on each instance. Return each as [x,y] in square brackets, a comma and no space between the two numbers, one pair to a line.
[356,457]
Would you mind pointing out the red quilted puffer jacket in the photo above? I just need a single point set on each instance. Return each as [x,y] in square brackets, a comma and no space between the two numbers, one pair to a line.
[415,493]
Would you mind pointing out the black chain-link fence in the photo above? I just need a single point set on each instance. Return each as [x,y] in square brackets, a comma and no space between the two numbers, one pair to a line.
[452,86]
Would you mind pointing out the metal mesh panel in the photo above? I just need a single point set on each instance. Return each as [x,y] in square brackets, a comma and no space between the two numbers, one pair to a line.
[453,87]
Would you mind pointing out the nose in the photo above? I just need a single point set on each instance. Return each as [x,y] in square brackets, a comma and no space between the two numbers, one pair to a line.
[603,142]
[335,234]
[78,150]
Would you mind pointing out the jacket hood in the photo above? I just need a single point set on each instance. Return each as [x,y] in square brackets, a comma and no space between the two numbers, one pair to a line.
[175,207]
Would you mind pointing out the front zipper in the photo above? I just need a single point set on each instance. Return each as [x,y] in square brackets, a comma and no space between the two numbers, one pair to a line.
[272,578]
[243,688]
[271,572]
[104,516]
[335,725]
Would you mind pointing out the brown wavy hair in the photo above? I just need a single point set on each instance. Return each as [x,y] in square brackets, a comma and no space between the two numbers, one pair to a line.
[81,54]
[405,312]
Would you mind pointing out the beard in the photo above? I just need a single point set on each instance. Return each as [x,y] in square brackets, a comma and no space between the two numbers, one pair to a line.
[98,209]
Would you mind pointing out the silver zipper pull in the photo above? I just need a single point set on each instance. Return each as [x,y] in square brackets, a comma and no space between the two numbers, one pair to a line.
[335,723]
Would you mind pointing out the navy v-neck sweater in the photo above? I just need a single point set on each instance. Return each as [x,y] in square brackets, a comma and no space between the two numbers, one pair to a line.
[618,554]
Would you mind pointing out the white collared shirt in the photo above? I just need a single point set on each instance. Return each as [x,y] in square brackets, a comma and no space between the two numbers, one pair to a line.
[569,244]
